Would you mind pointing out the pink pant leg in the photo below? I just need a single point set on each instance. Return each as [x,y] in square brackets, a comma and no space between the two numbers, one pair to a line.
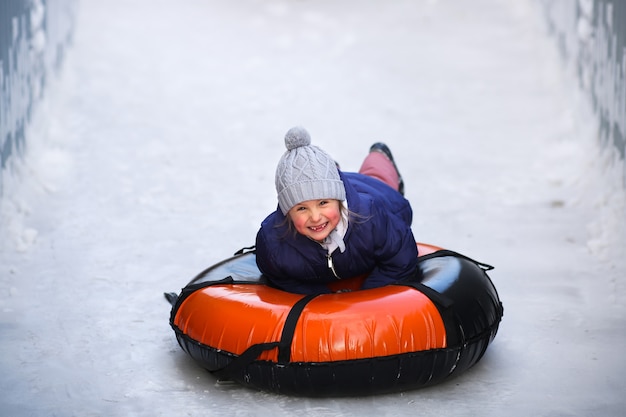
[378,166]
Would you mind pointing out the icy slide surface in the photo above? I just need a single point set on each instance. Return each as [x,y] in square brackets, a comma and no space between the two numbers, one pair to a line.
[153,157]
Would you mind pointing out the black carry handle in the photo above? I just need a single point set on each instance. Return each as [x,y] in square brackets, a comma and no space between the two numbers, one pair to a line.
[446,252]
[437,254]
[237,365]
[245,250]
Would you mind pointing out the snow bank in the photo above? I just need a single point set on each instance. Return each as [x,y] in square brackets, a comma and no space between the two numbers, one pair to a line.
[33,38]
[591,35]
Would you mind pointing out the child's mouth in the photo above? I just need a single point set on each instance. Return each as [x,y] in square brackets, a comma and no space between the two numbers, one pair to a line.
[319,228]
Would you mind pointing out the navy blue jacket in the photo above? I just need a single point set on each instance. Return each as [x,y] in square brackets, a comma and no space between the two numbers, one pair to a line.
[379,242]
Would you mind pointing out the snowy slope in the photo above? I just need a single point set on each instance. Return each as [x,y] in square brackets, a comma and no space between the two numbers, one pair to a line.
[153,157]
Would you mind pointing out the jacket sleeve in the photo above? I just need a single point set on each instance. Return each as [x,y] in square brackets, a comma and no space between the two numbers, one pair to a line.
[395,250]
[275,272]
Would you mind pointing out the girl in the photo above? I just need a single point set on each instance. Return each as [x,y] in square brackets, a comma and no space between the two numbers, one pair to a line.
[331,225]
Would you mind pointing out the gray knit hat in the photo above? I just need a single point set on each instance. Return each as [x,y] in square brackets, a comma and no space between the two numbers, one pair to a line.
[305,172]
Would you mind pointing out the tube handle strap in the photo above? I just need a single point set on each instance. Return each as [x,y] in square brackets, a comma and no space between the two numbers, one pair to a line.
[238,365]
[446,252]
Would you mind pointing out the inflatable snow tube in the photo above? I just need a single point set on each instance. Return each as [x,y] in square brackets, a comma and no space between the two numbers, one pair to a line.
[397,337]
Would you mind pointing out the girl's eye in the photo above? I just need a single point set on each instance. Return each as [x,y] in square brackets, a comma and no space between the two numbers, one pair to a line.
[323,202]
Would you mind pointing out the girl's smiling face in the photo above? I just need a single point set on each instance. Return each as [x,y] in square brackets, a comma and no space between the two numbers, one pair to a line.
[315,219]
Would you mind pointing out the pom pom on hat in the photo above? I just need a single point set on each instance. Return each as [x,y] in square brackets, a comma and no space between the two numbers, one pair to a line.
[305,172]
[297,137]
